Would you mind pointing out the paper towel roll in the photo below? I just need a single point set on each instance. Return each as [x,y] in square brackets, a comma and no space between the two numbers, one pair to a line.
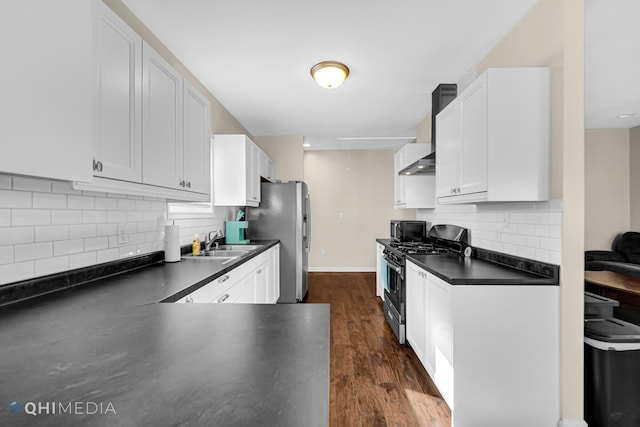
[172,243]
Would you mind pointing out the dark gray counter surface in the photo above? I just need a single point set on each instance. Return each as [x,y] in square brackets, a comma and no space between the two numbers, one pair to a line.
[108,342]
[458,270]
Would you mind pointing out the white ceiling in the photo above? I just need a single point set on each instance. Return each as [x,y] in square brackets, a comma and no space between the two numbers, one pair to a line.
[255,57]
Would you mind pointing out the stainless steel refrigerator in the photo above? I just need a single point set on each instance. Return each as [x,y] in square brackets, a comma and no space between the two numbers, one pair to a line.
[284,214]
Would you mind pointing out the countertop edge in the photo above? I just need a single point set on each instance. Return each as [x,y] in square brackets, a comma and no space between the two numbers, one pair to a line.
[186,291]
[541,281]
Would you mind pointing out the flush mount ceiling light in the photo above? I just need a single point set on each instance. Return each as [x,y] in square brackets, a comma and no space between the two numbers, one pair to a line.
[329,74]
[625,116]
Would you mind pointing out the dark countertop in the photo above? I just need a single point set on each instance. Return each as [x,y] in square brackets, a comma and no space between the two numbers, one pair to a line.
[458,270]
[164,364]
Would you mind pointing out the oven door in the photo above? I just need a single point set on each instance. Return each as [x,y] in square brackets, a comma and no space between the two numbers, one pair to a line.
[394,299]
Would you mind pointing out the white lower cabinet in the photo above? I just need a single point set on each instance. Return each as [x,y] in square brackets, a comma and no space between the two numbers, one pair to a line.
[492,350]
[254,282]
[415,308]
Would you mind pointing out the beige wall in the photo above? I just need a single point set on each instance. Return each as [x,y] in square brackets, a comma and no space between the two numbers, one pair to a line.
[351,205]
[221,120]
[423,131]
[287,154]
[537,41]
[607,208]
[634,173]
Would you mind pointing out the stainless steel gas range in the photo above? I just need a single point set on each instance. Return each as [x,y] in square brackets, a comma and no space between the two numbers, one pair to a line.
[441,239]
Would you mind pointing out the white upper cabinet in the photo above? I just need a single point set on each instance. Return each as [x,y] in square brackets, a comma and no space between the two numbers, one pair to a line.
[46,88]
[236,171]
[493,139]
[117,143]
[416,191]
[196,140]
[152,129]
[161,122]
[267,169]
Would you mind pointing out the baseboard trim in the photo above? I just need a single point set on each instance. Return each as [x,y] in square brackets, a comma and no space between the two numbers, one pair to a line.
[572,423]
[342,269]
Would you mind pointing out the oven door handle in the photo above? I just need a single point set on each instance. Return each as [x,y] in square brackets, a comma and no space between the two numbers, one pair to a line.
[398,269]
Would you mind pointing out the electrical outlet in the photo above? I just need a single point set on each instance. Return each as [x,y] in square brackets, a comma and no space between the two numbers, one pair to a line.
[322,252]
[123,235]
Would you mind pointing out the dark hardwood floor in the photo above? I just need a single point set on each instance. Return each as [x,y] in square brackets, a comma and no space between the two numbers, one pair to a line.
[374,380]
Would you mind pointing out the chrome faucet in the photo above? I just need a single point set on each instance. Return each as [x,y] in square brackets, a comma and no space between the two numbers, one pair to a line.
[217,234]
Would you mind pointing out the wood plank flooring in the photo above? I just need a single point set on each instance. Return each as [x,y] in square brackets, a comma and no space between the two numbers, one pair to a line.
[374,380]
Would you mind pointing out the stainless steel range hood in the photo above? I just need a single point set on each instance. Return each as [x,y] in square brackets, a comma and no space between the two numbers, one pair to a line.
[440,98]
[423,166]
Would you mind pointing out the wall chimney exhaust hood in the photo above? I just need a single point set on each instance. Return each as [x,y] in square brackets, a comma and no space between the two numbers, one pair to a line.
[440,98]
[423,166]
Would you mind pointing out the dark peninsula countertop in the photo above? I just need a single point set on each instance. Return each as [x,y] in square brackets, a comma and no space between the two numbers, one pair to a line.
[494,269]
[108,346]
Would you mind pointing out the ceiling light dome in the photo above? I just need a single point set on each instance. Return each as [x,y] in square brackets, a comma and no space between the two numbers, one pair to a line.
[329,74]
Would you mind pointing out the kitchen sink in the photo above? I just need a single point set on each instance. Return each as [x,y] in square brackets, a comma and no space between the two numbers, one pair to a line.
[245,248]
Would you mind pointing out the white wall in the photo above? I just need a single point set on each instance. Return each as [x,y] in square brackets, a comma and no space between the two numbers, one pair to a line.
[46,227]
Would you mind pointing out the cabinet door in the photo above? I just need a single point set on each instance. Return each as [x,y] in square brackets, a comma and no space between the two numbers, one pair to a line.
[117,143]
[473,139]
[46,88]
[252,174]
[162,122]
[379,272]
[196,140]
[415,309]
[273,285]
[262,283]
[439,338]
[447,137]
[271,170]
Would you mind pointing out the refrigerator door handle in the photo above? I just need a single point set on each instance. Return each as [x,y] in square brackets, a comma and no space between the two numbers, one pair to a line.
[306,224]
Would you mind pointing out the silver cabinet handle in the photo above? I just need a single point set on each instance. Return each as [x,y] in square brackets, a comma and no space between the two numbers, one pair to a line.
[223,298]
[189,184]
[223,279]
[189,300]
[182,183]
[97,165]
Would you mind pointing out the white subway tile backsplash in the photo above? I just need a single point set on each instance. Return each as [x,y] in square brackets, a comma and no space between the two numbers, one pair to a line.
[126,205]
[5,217]
[48,233]
[116,216]
[106,204]
[47,226]
[6,255]
[82,260]
[17,271]
[21,217]
[106,229]
[52,265]
[82,231]
[15,199]
[5,182]
[49,201]
[96,243]
[526,229]
[16,235]
[66,217]
[107,255]
[80,202]
[94,217]
[31,184]
[67,247]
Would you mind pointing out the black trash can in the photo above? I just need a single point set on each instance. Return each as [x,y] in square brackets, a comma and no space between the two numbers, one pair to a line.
[611,373]
[598,306]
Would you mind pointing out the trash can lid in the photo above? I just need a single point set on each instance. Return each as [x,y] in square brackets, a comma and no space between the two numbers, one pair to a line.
[611,330]
[599,300]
